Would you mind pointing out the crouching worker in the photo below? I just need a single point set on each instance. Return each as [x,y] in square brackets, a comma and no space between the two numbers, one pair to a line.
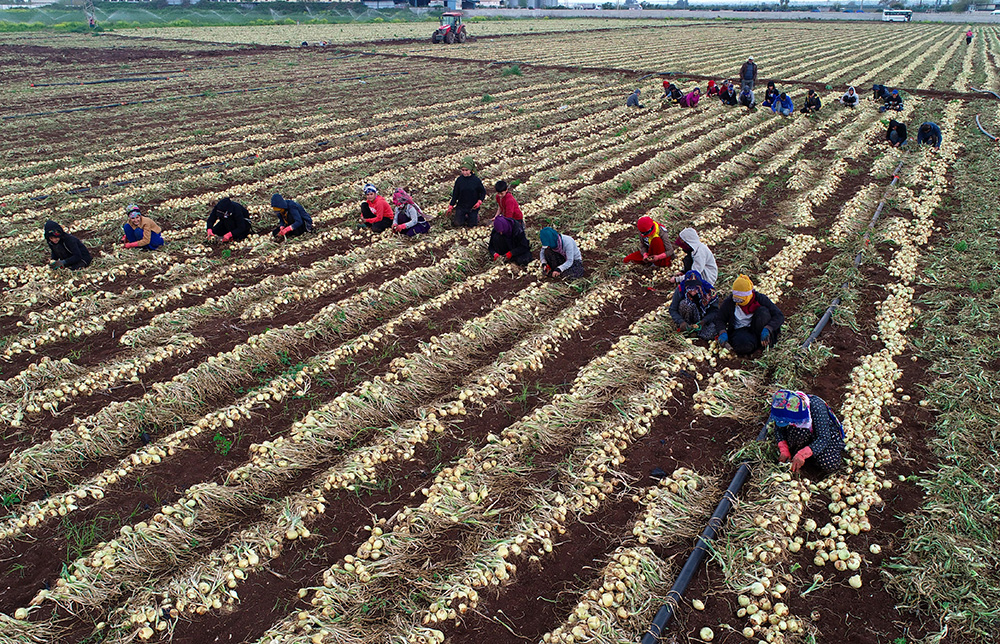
[698,257]
[229,220]
[67,251]
[560,256]
[806,431]
[293,220]
[509,243]
[141,232]
[375,211]
[409,220]
[748,320]
[652,250]
[695,307]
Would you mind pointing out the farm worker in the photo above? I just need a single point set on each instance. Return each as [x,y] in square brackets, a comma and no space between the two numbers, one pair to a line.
[633,100]
[560,256]
[879,92]
[293,220]
[748,74]
[713,89]
[968,37]
[652,249]
[893,103]
[467,195]
[806,430]
[747,99]
[67,251]
[728,95]
[674,93]
[896,134]
[141,232]
[748,319]
[695,306]
[850,98]
[408,219]
[376,213]
[229,220]
[691,98]
[930,134]
[507,205]
[698,257]
[771,95]
[509,243]
[783,105]
[812,103]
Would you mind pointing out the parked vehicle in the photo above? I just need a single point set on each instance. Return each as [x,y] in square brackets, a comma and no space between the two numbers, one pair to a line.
[896,15]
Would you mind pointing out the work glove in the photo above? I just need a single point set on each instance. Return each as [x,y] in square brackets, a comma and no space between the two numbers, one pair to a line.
[477,204]
[556,273]
[210,234]
[765,338]
[227,237]
[496,256]
[57,264]
[800,458]
[645,257]
[124,239]
[546,269]
[783,452]
[284,231]
[723,338]
[509,255]
[134,244]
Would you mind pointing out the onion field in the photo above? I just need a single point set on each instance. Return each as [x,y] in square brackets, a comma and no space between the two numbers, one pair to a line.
[358,438]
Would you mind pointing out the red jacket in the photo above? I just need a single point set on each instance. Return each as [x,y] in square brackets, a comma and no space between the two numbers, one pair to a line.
[509,207]
[380,208]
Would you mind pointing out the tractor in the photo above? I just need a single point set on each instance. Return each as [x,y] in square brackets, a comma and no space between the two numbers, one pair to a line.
[451,29]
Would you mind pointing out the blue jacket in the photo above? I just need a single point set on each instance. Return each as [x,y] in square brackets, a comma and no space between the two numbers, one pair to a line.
[931,138]
[295,215]
[783,104]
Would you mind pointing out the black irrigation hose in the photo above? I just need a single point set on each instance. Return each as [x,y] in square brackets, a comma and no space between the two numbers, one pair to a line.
[828,314]
[694,560]
[201,94]
[983,130]
[111,80]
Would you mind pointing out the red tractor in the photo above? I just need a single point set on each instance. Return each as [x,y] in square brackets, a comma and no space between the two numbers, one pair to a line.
[451,29]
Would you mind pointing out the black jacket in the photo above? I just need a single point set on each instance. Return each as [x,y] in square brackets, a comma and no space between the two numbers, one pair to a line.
[467,191]
[727,313]
[516,244]
[229,217]
[69,249]
[900,128]
[728,97]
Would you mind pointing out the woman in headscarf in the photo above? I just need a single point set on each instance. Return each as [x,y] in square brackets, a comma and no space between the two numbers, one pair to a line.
[896,133]
[691,98]
[466,196]
[695,306]
[375,211]
[713,89]
[293,220]
[652,249]
[850,97]
[748,320]
[229,220]
[141,232]
[771,95]
[806,431]
[509,243]
[66,250]
[507,205]
[699,257]
[408,219]
[560,256]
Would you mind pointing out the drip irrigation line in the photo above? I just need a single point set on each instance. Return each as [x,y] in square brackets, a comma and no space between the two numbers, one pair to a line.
[985,91]
[828,314]
[697,556]
[111,80]
[199,95]
[983,130]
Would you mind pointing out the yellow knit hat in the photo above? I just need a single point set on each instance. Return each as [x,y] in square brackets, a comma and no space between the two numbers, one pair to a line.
[742,289]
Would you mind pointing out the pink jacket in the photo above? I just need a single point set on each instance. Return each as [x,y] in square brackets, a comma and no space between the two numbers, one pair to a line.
[689,100]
